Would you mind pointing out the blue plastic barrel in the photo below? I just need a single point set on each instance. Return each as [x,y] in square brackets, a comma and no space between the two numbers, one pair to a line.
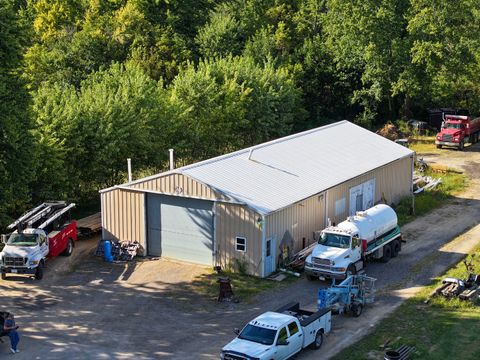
[107,251]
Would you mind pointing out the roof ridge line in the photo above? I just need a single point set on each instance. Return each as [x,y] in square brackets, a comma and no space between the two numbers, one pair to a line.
[260,146]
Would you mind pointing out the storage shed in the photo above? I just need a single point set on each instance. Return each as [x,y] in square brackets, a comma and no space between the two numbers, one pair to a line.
[253,207]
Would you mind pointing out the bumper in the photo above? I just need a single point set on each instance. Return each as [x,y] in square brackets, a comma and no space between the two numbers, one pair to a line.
[7,270]
[324,273]
[447,143]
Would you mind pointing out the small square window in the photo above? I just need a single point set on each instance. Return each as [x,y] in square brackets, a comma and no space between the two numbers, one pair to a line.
[241,244]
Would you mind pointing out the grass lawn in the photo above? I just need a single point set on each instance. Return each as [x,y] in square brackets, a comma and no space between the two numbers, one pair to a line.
[423,145]
[244,286]
[441,329]
[453,183]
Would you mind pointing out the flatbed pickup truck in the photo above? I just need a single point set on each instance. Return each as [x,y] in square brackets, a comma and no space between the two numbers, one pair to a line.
[278,335]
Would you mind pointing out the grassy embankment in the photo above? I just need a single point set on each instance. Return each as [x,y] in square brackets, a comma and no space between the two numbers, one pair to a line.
[442,329]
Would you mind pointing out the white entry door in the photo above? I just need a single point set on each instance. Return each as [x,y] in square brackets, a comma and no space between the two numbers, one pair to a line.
[362,197]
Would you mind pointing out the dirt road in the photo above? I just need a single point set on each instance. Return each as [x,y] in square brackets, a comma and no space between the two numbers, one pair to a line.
[146,310]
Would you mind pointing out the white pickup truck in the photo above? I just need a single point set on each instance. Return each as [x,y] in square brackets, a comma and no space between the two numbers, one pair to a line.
[278,335]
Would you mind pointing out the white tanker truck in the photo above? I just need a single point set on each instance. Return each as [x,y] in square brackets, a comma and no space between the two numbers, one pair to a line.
[343,249]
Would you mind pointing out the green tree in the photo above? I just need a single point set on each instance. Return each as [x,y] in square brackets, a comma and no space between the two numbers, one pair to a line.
[88,134]
[16,143]
[445,39]
[367,40]
[226,104]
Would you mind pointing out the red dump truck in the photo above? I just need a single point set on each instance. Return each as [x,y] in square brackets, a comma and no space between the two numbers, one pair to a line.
[457,130]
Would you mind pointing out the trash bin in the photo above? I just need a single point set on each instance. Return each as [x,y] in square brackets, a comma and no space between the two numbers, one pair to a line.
[225,289]
[107,251]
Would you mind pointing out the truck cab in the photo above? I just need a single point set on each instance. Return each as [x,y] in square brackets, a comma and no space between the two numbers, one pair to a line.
[343,249]
[25,253]
[278,335]
[457,130]
[335,256]
[43,231]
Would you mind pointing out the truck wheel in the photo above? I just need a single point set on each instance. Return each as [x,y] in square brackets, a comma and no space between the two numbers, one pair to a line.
[357,309]
[311,277]
[460,147]
[387,253]
[351,270]
[68,251]
[39,272]
[4,276]
[396,247]
[317,343]
[439,146]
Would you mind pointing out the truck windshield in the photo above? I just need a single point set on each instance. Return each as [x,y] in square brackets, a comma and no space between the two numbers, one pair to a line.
[22,240]
[454,126]
[334,240]
[258,334]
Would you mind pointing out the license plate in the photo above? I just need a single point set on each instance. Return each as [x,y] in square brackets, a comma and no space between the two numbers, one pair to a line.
[322,278]
[14,271]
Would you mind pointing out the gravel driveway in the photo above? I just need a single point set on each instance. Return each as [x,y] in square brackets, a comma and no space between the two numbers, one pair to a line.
[145,310]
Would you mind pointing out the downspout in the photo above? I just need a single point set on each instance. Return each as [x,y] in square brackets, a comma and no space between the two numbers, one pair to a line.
[145,218]
[412,210]
[264,246]
[102,208]
[215,244]
[326,209]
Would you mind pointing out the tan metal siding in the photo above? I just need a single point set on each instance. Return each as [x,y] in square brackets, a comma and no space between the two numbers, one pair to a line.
[392,183]
[295,223]
[237,220]
[177,184]
[123,215]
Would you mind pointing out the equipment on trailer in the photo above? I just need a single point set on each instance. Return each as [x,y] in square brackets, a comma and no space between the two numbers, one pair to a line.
[465,289]
[351,295]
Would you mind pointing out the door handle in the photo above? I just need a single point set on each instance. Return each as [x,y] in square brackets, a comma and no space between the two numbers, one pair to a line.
[300,335]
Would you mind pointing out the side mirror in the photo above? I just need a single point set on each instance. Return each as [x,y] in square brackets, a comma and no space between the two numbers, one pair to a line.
[282,342]
[236,331]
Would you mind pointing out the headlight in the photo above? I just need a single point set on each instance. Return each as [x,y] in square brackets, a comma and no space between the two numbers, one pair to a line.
[340,269]
[33,262]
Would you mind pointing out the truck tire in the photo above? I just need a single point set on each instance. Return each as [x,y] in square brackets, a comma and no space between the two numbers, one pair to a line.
[351,270]
[4,276]
[311,277]
[461,145]
[439,146]
[396,248]
[68,251]
[357,309]
[387,253]
[39,272]
[317,343]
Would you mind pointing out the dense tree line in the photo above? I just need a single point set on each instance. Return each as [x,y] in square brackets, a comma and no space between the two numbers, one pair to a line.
[84,84]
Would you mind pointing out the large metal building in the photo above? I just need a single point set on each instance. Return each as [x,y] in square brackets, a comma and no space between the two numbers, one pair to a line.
[250,207]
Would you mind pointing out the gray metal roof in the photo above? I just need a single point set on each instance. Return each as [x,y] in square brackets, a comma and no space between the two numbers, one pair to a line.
[276,174]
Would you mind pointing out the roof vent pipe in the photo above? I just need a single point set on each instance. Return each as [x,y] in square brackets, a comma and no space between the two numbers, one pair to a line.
[129,166]
[250,154]
[172,164]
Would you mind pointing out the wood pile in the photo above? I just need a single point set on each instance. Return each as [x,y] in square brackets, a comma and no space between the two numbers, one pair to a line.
[391,132]
[89,225]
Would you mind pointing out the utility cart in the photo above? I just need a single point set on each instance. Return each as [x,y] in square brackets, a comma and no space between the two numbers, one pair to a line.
[351,295]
